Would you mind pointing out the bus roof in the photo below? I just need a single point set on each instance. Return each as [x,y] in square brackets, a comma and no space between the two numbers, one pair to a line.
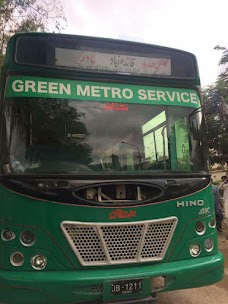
[48,52]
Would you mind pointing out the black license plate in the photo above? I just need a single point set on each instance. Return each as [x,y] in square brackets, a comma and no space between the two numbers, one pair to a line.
[126,287]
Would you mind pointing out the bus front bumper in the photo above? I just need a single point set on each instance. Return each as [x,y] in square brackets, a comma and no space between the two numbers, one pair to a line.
[94,285]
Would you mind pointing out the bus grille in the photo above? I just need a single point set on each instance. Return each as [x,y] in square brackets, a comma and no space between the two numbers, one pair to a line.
[119,243]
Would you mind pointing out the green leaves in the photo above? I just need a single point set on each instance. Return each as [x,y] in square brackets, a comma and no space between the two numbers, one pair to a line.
[224,58]
[216,132]
[29,16]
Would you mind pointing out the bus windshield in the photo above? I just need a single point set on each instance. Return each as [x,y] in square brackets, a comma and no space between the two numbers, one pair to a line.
[57,136]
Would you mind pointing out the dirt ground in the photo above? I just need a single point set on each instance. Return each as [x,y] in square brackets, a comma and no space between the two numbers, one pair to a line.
[223,246]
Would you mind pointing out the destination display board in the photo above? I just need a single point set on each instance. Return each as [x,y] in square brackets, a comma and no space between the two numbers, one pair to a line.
[109,62]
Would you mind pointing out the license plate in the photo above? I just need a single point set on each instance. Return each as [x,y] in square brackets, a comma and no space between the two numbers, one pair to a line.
[126,287]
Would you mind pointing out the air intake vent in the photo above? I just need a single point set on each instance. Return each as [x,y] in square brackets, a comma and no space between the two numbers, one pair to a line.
[119,243]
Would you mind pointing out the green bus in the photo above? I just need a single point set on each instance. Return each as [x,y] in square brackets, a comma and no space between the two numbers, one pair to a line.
[105,188]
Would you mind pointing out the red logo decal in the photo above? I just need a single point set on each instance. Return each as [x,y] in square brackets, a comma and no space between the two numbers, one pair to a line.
[115,106]
[120,213]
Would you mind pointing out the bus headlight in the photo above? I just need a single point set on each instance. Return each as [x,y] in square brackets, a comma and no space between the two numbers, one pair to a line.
[27,238]
[208,245]
[39,262]
[200,227]
[17,259]
[194,249]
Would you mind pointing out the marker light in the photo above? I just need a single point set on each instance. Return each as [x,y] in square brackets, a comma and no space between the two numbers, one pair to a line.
[212,223]
[209,245]
[16,259]
[39,262]
[27,238]
[7,235]
[194,249]
[200,227]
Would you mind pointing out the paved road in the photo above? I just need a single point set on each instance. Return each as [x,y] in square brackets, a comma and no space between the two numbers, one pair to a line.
[204,295]
[215,294]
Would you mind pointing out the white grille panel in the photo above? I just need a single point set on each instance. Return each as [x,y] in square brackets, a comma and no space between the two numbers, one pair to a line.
[115,243]
[155,241]
[85,239]
[120,243]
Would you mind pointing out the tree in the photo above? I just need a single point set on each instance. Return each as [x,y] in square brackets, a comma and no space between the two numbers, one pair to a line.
[216,132]
[28,16]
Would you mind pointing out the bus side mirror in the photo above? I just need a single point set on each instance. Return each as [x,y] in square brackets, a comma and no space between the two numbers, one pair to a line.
[194,124]
[223,110]
[194,129]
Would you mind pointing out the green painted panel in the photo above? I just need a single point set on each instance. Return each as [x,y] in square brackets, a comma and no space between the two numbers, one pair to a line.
[65,280]
[25,86]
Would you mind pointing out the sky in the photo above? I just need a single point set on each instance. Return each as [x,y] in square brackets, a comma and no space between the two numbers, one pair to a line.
[196,26]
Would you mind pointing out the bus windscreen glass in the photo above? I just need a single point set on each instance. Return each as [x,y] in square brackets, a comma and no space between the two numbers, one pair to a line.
[71,127]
